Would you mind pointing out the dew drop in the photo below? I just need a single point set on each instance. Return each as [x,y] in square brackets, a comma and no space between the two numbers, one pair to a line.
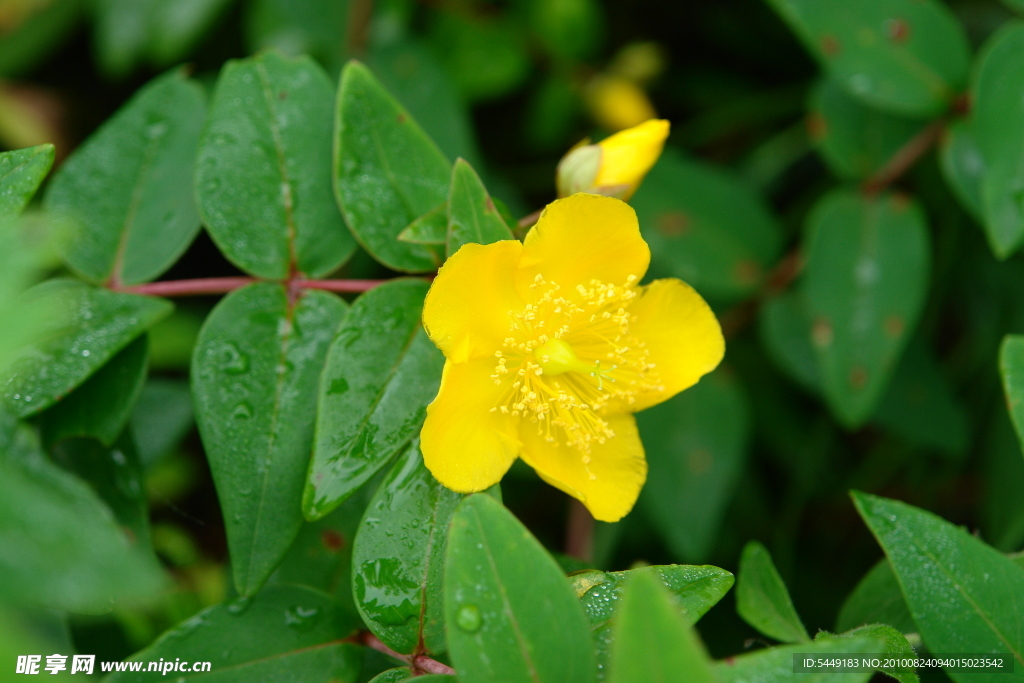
[468,618]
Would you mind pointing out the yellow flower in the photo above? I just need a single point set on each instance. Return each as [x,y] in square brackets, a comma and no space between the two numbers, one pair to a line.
[550,346]
[617,103]
[616,166]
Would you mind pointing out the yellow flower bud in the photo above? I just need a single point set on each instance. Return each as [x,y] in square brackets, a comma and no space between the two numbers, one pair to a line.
[617,103]
[616,166]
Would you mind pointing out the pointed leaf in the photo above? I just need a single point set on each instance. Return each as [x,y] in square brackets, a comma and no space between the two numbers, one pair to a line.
[876,599]
[262,177]
[963,166]
[284,633]
[762,598]
[1011,367]
[89,326]
[161,418]
[513,615]
[381,372]
[864,285]
[896,647]
[127,192]
[254,378]
[775,664]
[387,172]
[652,641]
[398,558]
[906,56]
[21,172]
[430,228]
[964,595]
[472,215]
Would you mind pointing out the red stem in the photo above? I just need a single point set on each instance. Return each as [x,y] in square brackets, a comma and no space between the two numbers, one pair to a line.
[222,285]
[419,663]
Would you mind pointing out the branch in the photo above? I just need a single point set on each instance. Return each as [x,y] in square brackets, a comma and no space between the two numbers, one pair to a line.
[905,157]
[223,285]
[419,663]
[579,536]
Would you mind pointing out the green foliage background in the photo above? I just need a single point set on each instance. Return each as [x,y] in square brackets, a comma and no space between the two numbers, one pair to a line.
[236,478]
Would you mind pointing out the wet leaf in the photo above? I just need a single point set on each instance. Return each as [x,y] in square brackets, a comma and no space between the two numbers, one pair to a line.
[472,215]
[896,647]
[381,372]
[254,380]
[763,600]
[21,172]
[430,228]
[264,168]
[512,613]
[126,192]
[775,664]
[387,172]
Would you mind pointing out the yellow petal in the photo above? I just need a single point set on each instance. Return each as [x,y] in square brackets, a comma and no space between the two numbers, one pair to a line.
[609,484]
[466,312]
[626,157]
[618,103]
[681,333]
[582,238]
[465,445]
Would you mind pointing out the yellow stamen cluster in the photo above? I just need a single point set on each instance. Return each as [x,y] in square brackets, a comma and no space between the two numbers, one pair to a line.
[568,356]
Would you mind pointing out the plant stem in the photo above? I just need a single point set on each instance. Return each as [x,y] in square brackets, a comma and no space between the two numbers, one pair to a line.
[419,663]
[579,536]
[905,157]
[222,285]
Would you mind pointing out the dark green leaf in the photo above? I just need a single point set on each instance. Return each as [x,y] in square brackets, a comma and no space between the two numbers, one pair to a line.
[906,56]
[786,335]
[694,590]
[998,124]
[487,56]
[864,285]
[876,600]
[569,29]
[284,633]
[297,27]
[161,418]
[100,407]
[1011,366]
[512,613]
[775,664]
[90,326]
[762,599]
[472,216]
[21,172]
[430,228]
[854,139]
[264,166]
[696,444]
[127,192]
[964,166]
[254,380]
[1002,505]
[38,33]
[652,641]
[381,372]
[706,227]
[387,172]
[179,25]
[964,595]
[398,557]
[61,546]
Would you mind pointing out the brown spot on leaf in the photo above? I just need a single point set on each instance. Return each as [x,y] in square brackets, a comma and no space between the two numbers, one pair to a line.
[817,128]
[283,95]
[894,326]
[897,30]
[821,333]
[900,201]
[699,461]
[858,377]
[747,272]
[673,223]
[402,118]
[332,540]
[830,45]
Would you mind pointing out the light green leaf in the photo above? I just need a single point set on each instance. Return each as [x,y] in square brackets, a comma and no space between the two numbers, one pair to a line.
[254,379]
[21,172]
[762,599]
[472,215]
[381,372]
[127,191]
[786,334]
[896,646]
[864,286]
[963,166]
[264,168]
[430,228]
[387,172]
[775,664]
[512,613]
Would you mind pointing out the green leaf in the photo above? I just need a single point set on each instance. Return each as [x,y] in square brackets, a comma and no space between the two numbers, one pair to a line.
[21,172]
[786,334]
[854,139]
[262,176]
[387,172]
[60,545]
[127,191]
[161,418]
[651,640]
[1011,367]
[998,124]
[896,646]
[297,27]
[876,600]
[472,215]
[284,633]
[398,558]
[696,444]
[569,29]
[762,599]
[487,56]
[430,228]
[963,166]
[1001,505]
[513,615]
[254,379]
[964,595]
[864,285]
[90,326]
[907,56]
[775,664]
[693,591]
[381,372]
[101,406]
[706,227]
[393,675]
[37,35]
[179,26]
[116,476]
